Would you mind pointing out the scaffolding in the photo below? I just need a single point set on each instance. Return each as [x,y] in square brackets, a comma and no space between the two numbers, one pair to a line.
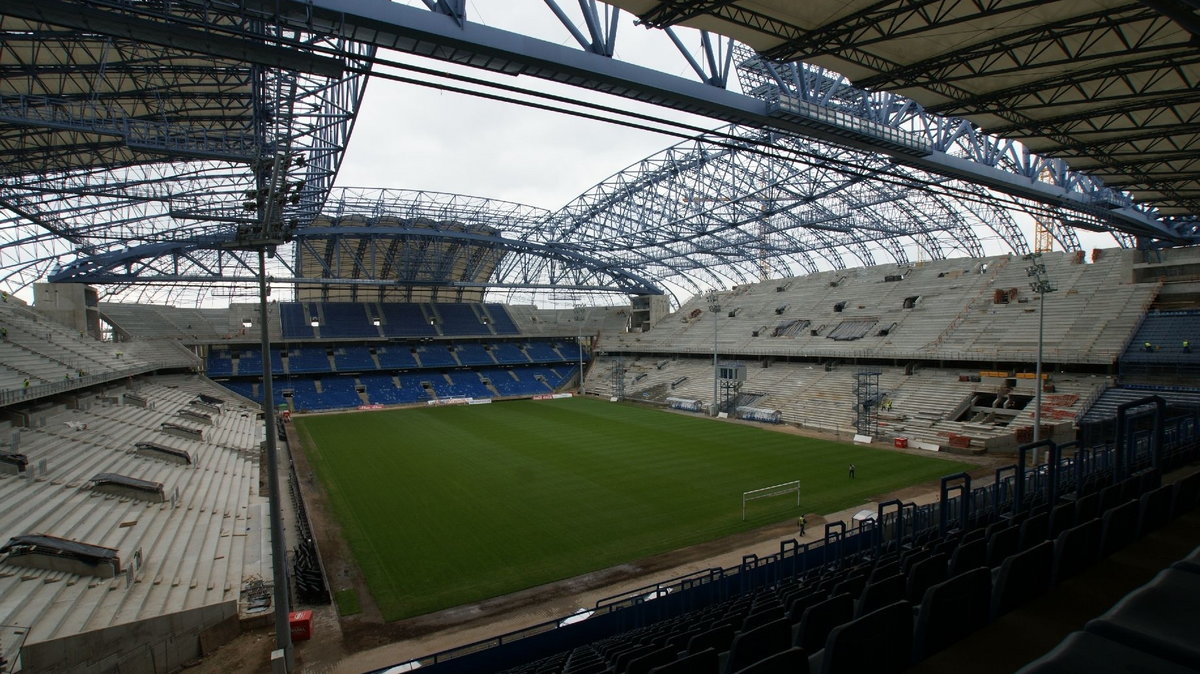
[618,379]
[866,403]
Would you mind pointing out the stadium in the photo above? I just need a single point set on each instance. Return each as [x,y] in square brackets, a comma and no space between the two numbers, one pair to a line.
[881,360]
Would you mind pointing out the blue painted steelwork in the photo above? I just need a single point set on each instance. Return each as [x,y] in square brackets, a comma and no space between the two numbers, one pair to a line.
[138,125]
[989,162]
[819,175]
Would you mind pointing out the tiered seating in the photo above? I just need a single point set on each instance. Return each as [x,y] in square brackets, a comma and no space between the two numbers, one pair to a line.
[295,318]
[175,557]
[502,323]
[339,392]
[460,319]
[309,359]
[219,363]
[545,352]
[1165,332]
[473,354]
[923,404]
[383,390]
[461,385]
[506,353]
[1105,406]
[305,395]
[45,352]
[353,359]
[944,309]
[395,357]
[436,355]
[405,320]
[346,320]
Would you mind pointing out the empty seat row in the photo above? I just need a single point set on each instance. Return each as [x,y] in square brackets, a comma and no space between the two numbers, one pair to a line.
[890,612]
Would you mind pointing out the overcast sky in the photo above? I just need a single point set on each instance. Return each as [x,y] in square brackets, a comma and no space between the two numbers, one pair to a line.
[414,137]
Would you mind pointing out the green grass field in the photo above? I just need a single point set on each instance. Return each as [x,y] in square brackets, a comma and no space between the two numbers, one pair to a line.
[447,506]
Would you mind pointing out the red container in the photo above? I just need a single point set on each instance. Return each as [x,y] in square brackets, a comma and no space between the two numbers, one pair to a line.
[301,623]
[901,442]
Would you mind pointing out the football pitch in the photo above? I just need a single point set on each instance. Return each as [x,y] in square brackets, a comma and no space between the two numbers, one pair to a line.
[452,505]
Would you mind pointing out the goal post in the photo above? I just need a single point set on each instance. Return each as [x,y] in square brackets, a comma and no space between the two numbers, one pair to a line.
[768,492]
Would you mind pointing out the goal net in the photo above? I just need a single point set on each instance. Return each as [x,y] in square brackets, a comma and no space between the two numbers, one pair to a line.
[769,492]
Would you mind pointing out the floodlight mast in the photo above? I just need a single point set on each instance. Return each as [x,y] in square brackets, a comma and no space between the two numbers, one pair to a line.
[580,312]
[263,237]
[714,306]
[1040,285]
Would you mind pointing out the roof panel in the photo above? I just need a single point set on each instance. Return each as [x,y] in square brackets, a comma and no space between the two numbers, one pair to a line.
[1055,74]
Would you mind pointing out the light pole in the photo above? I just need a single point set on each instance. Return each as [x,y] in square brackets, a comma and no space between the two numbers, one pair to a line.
[1040,285]
[273,192]
[580,312]
[714,305]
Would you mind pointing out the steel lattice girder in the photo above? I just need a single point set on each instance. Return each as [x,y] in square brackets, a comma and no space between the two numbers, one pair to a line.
[377,226]
[893,125]
[110,140]
[714,212]
[1108,85]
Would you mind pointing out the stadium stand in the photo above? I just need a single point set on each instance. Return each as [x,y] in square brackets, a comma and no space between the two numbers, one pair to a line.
[395,357]
[473,355]
[295,319]
[460,319]
[304,360]
[959,309]
[1159,345]
[406,320]
[193,555]
[501,322]
[346,320]
[354,359]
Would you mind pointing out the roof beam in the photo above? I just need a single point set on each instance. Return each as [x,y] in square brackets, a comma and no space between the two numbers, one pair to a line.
[170,34]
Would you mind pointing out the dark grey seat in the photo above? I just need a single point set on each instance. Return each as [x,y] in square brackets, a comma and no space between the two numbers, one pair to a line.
[1084,653]
[791,661]
[951,610]
[879,642]
[1076,549]
[1022,577]
[1159,618]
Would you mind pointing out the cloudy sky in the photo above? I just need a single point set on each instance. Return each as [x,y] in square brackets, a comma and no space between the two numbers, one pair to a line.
[414,137]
